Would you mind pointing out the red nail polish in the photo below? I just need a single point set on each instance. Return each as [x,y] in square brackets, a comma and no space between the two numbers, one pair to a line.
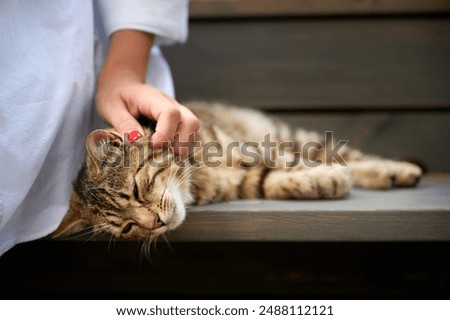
[134,135]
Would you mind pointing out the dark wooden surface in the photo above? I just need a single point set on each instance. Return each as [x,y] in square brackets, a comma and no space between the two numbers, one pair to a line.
[382,63]
[419,214]
[227,270]
[252,8]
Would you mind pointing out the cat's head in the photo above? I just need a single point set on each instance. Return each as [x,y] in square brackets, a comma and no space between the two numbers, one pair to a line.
[130,191]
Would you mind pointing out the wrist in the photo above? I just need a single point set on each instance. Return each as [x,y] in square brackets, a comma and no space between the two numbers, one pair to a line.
[128,56]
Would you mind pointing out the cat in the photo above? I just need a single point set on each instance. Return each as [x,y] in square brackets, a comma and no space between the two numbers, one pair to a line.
[138,193]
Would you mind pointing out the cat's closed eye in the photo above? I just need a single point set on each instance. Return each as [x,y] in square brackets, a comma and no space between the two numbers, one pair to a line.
[127,228]
[136,192]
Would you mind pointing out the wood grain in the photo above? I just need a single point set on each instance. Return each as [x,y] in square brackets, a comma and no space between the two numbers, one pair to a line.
[317,64]
[421,214]
[418,214]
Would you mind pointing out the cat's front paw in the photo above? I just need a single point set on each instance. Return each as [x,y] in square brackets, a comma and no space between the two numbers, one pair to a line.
[384,174]
[315,183]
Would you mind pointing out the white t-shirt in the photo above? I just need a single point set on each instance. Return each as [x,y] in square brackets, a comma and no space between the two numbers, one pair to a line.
[50,53]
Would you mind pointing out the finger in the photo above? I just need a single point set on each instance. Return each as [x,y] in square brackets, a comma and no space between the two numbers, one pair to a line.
[187,133]
[167,123]
[125,123]
[153,104]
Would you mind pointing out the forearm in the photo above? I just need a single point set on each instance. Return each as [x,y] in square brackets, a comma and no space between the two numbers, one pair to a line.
[125,63]
[128,56]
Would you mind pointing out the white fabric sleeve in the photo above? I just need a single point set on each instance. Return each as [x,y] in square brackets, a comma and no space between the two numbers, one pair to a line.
[166,19]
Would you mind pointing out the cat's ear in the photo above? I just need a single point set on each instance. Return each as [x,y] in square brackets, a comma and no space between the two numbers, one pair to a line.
[73,220]
[99,143]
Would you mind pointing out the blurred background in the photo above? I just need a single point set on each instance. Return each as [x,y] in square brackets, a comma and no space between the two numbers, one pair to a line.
[377,73]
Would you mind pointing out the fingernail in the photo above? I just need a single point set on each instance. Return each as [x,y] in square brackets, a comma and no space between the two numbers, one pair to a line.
[133,136]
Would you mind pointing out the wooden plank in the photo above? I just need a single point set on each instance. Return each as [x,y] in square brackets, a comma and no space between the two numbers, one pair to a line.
[256,8]
[420,214]
[317,64]
[417,214]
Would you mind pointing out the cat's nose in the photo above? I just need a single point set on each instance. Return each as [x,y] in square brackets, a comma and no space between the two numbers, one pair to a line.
[158,222]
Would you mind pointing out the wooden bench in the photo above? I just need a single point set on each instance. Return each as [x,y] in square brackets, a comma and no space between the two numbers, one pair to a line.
[419,214]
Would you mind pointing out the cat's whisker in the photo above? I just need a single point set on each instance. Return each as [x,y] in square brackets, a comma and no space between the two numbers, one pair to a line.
[190,170]
[183,165]
[164,236]
[177,182]
[83,233]
[111,239]
[185,174]
[147,246]
[154,241]
[80,234]
[101,228]
[192,155]
[172,173]
[184,162]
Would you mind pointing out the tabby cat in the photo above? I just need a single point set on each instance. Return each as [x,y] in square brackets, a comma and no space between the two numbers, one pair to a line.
[139,193]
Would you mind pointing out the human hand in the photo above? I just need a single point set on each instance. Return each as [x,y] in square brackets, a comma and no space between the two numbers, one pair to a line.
[122,96]
[120,102]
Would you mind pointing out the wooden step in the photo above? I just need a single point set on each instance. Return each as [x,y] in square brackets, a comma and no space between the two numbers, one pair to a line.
[416,214]
[419,214]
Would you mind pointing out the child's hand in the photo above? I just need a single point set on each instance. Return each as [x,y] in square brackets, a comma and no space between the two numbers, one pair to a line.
[122,96]
[121,102]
